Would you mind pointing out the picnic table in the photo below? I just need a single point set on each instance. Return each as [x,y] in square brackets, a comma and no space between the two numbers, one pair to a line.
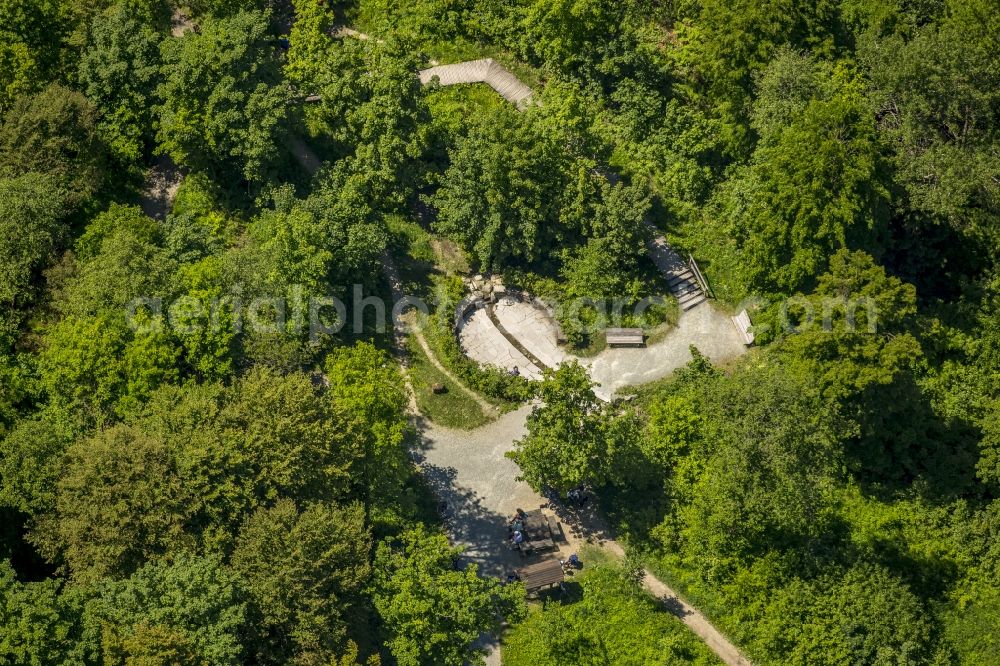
[542,574]
[537,531]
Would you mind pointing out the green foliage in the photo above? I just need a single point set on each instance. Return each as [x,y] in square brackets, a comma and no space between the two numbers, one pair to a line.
[610,623]
[189,471]
[815,184]
[855,338]
[728,42]
[54,132]
[30,461]
[305,572]
[183,493]
[95,365]
[37,625]
[607,265]
[18,70]
[936,95]
[433,611]
[331,238]
[501,195]
[567,34]
[367,386]
[529,192]
[119,73]
[772,453]
[310,43]
[862,615]
[189,611]
[372,108]
[17,388]
[566,444]
[222,105]
[31,36]
[31,208]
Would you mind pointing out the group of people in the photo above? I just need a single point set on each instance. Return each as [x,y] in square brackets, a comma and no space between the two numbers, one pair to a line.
[578,496]
[516,529]
[570,563]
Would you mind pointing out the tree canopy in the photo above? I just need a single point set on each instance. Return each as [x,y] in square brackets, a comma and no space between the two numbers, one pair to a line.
[208,451]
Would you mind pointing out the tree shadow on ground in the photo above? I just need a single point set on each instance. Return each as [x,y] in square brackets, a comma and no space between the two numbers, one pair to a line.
[583,523]
[569,592]
[480,531]
[420,441]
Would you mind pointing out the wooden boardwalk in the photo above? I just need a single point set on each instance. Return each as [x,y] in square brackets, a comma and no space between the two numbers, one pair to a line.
[486,71]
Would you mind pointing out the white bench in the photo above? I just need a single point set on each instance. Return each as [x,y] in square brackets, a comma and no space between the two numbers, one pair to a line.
[742,323]
[624,336]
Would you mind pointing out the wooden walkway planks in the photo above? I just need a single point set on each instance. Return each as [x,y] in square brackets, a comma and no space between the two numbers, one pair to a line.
[486,71]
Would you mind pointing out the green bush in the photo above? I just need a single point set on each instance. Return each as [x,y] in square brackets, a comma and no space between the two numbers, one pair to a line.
[611,621]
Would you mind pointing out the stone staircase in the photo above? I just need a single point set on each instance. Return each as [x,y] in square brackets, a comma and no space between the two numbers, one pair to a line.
[685,288]
[681,279]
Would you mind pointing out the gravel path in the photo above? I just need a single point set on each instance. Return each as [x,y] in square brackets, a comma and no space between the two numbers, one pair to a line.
[162,182]
[469,472]
[704,327]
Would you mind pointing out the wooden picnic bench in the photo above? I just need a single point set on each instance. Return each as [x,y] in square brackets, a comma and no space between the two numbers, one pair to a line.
[535,523]
[537,545]
[742,323]
[543,574]
[538,532]
[554,529]
[624,336]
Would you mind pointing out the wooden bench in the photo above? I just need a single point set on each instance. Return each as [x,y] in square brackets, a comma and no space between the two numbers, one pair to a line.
[742,323]
[537,545]
[555,529]
[543,574]
[624,336]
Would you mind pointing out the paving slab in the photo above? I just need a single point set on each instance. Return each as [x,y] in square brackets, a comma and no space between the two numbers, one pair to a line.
[532,328]
[484,343]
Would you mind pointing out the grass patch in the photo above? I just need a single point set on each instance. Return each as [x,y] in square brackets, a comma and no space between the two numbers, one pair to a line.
[454,408]
[430,267]
[453,108]
[497,387]
[602,618]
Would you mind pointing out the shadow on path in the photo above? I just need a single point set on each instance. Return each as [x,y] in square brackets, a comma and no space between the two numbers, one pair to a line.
[479,530]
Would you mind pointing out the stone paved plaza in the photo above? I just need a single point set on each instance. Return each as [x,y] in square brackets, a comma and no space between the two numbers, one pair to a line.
[708,329]
[533,329]
[483,342]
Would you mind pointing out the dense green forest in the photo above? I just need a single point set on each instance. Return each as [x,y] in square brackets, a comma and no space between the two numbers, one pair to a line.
[177,487]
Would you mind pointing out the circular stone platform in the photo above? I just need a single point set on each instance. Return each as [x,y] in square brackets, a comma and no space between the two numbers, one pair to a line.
[483,342]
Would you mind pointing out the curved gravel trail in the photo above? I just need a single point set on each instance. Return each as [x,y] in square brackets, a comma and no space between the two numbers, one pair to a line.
[470,473]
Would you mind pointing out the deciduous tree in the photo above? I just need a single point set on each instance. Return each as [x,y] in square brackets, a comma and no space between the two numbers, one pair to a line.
[223,104]
[434,611]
